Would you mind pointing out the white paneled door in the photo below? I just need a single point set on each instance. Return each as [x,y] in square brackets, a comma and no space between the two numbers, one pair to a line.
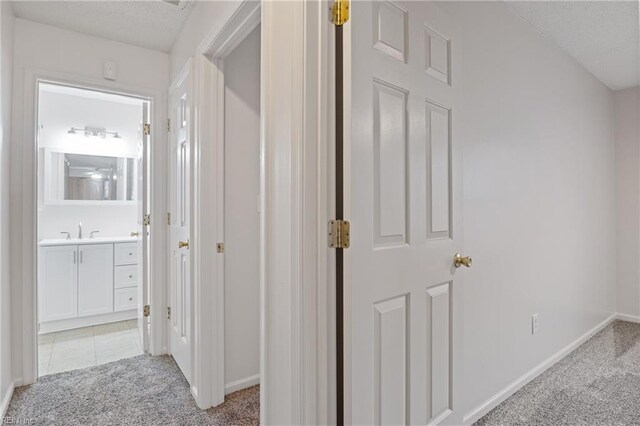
[404,307]
[143,200]
[179,224]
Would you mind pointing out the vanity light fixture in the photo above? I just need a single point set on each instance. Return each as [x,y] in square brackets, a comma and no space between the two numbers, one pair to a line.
[94,131]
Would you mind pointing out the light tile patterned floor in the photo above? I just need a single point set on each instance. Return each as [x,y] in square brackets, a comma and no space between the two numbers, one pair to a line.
[88,346]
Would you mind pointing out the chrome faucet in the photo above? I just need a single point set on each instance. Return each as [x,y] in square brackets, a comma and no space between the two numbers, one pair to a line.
[68,235]
[79,230]
[91,234]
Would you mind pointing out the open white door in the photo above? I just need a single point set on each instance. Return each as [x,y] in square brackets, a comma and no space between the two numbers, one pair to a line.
[142,197]
[179,222]
[404,310]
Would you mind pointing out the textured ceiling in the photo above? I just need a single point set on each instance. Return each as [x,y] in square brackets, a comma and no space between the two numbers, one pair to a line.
[603,36]
[153,24]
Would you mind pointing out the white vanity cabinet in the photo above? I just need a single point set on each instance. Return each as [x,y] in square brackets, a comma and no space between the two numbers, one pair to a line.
[57,283]
[95,279]
[126,281]
[86,282]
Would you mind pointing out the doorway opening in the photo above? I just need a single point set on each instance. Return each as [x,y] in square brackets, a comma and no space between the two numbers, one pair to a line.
[93,196]
[241,69]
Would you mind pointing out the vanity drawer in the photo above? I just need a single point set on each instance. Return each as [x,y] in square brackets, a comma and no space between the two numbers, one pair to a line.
[126,254]
[125,299]
[125,276]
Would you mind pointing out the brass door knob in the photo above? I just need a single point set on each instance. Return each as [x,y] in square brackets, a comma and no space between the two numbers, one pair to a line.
[459,260]
[135,234]
[183,244]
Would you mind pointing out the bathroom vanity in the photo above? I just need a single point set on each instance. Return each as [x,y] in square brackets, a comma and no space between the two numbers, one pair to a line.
[85,282]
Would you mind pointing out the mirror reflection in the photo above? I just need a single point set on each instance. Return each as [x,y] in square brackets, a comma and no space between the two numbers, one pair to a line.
[92,177]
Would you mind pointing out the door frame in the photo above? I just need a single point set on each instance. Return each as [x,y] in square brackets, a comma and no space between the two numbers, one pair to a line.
[24,215]
[208,387]
[297,359]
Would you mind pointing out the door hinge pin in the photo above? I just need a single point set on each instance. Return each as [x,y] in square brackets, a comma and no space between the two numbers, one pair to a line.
[146,220]
[169,219]
[168,312]
[146,311]
[220,247]
[168,125]
[146,129]
[339,234]
[339,12]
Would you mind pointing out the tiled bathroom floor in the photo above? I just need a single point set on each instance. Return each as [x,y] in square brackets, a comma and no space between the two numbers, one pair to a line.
[88,346]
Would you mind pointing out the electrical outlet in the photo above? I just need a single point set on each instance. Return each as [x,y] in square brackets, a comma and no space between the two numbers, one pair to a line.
[534,323]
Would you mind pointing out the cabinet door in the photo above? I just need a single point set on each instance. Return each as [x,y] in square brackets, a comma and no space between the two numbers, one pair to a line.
[95,279]
[57,283]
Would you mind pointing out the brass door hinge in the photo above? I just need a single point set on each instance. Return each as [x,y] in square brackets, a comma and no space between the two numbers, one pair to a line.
[168,312]
[146,311]
[339,12]
[168,125]
[339,234]
[146,220]
[169,219]
[220,247]
[146,129]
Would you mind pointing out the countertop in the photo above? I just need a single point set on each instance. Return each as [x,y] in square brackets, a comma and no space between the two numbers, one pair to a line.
[97,240]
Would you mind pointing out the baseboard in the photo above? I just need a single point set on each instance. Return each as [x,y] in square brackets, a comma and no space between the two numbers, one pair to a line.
[481,410]
[628,318]
[241,384]
[69,324]
[6,400]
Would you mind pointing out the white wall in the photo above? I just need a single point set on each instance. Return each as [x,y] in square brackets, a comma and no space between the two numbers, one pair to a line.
[539,198]
[59,112]
[43,47]
[6,73]
[242,220]
[627,143]
[206,16]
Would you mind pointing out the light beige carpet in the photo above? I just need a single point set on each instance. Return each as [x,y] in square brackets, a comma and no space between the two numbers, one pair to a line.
[598,384]
[143,390]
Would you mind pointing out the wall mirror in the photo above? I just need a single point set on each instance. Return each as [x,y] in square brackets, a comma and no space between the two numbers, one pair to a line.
[79,178]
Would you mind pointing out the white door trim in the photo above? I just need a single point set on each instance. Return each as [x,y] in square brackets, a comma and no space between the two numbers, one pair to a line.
[295,135]
[208,377]
[295,280]
[24,217]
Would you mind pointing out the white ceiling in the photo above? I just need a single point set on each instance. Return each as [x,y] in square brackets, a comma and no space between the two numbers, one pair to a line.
[153,24]
[603,36]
